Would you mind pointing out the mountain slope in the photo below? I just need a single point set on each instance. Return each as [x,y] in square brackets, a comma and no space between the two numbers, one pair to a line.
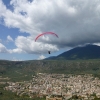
[86,52]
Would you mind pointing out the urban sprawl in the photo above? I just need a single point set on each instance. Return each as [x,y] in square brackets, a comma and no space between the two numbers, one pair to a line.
[60,86]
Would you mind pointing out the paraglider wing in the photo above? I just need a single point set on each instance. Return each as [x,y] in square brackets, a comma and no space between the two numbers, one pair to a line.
[44,34]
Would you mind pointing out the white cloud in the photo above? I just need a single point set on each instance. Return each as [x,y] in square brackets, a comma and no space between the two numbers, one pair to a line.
[28,45]
[41,57]
[2,8]
[3,49]
[9,38]
[15,59]
[76,22]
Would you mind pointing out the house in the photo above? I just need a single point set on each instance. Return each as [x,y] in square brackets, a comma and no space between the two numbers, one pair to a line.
[53,98]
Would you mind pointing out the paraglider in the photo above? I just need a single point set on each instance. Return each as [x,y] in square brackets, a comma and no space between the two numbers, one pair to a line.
[52,33]
[48,52]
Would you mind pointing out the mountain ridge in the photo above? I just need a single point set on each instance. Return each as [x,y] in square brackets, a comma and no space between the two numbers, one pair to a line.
[85,52]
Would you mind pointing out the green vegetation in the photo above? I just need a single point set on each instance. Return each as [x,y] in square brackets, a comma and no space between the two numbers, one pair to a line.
[24,70]
[8,95]
[84,53]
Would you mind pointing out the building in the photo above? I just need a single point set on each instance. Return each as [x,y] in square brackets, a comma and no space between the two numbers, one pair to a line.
[53,98]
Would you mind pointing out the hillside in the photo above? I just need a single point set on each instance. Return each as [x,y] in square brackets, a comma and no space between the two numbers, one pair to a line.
[23,72]
[79,60]
[25,69]
[86,52]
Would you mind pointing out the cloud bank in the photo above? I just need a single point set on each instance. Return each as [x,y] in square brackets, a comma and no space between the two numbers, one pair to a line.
[76,22]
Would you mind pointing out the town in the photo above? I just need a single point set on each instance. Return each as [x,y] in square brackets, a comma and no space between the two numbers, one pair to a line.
[58,86]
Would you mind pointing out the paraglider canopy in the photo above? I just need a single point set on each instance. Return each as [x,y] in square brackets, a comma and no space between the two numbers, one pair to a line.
[52,33]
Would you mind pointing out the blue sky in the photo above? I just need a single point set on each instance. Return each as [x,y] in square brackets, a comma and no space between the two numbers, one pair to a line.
[14,32]
[21,21]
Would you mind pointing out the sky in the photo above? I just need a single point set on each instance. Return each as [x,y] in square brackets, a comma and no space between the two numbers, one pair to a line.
[76,22]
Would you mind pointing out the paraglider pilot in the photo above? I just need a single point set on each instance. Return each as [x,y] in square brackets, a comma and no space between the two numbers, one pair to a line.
[52,33]
[48,52]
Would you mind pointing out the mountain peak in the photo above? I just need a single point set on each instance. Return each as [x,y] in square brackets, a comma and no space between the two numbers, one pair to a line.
[82,52]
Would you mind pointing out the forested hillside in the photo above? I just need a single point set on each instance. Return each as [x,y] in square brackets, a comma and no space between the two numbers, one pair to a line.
[17,70]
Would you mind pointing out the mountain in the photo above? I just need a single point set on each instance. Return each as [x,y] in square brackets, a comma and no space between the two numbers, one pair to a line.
[79,60]
[85,52]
